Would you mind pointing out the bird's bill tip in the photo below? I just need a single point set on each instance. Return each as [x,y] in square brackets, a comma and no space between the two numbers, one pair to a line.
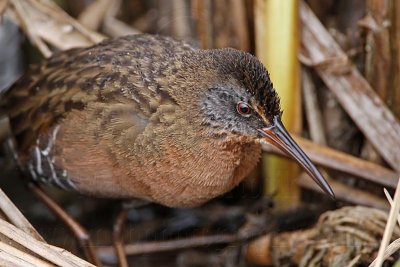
[278,136]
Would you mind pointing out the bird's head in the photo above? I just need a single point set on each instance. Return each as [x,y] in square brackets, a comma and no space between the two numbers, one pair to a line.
[242,100]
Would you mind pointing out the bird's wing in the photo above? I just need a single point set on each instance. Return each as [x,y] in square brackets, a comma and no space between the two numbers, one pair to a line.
[122,70]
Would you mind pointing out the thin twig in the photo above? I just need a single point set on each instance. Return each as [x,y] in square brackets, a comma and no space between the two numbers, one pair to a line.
[183,243]
[171,245]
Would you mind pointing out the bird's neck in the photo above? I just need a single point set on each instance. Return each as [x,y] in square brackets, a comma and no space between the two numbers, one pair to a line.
[239,153]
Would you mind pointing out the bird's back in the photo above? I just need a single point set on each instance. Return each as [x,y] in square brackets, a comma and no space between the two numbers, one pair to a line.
[112,80]
[71,79]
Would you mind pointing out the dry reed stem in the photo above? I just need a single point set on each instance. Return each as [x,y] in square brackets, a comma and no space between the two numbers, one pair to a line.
[3,6]
[391,222]
[58,257]
[378,58]
[201,12]
[395,245]
[347,193]
[312,110]
[93,15]
[113,26]
[239,21]
[12,261]
[180,19]
[16,217]
[44,22]
[19,257]
[390,250]
[354,261]
[350,88]
[395,55]
[278,51]
[29,29]
[340,161]
[389,198]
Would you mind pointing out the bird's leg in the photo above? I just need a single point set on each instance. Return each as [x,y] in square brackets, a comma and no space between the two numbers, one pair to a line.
[118,236]
[119,226]
[79,231]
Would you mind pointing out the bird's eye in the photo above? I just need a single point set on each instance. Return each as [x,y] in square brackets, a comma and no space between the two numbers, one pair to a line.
[243,109]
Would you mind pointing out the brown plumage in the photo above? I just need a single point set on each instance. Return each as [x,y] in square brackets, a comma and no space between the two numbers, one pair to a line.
[144,116]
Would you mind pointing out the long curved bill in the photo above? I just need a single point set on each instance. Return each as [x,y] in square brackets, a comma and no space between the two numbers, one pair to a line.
[279,137]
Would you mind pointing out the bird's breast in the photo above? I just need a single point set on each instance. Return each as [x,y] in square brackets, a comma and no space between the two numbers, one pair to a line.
[191,173]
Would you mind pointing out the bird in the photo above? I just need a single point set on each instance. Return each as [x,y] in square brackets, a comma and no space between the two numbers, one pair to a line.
[148,117]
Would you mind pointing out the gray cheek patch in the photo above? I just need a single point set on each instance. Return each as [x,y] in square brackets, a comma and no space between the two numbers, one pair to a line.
[219,111]
[42,167]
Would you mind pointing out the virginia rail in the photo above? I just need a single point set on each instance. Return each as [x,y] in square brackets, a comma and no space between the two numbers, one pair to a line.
[147,117]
